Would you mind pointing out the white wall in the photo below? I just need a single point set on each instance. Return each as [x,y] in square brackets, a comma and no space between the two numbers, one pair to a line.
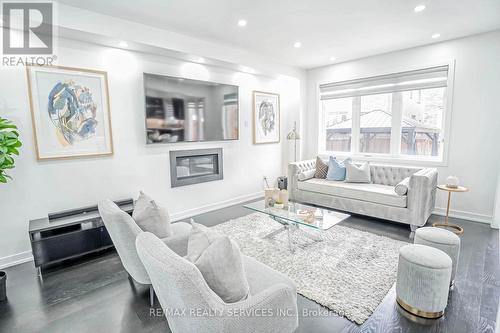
[42,187]
[496,214]
[475,118]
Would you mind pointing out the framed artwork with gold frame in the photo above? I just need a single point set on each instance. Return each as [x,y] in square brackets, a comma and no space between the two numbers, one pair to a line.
[70,112]
[266,117]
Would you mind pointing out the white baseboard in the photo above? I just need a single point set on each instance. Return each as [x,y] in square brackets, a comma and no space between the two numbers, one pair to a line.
[16,259]
[20,258]
[459,214]
[219,205]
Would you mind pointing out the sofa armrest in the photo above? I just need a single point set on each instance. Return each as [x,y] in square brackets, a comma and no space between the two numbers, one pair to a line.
[422,195]
[294,169]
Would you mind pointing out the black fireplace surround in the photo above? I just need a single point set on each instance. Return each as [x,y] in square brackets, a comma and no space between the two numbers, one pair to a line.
[188,167]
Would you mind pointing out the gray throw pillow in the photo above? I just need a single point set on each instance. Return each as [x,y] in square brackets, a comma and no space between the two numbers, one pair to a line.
[151,217]
[321,168]
[357,174]
[402,187]
[219,260]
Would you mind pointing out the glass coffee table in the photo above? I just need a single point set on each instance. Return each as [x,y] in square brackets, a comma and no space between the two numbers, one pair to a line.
[297,216]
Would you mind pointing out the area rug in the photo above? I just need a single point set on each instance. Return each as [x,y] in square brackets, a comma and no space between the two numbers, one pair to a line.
[349,272]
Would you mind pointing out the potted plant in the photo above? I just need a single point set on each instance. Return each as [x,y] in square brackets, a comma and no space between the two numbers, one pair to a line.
[9,145]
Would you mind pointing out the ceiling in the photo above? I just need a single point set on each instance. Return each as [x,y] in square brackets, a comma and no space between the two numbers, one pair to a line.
[344,29]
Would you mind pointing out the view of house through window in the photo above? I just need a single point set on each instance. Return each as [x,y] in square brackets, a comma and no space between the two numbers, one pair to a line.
[394,115]
[375,124]
[422,122]
[338,122]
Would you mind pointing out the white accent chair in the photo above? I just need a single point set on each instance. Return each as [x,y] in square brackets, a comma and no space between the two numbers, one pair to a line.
[180,287]
[377,199]
[123,231]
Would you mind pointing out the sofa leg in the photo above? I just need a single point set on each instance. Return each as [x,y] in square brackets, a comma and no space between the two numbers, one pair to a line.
[151,296]
[413,228]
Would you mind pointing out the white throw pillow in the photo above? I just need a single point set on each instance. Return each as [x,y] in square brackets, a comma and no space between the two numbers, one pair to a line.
[305,175]
[219,260]
[357,174]
[402,187]
[151,217]
[199,239]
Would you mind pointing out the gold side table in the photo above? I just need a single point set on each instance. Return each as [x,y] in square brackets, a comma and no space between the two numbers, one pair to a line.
[452,227]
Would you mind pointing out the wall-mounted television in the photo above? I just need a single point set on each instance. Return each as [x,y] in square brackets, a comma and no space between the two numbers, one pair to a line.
[185,110]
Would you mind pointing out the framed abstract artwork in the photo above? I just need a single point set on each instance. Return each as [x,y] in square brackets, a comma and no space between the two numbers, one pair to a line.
[70,112]
[266,117]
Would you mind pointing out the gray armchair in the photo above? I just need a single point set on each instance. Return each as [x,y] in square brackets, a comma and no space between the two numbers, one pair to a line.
[185,296]
[123,231]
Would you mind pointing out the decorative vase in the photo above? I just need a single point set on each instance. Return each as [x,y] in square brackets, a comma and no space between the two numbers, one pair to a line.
[283,197]
[271,195]
[452,182]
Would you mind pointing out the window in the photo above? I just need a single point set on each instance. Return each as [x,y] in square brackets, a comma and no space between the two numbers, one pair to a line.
[337,113]
[391,116]
[375,124]
[422,122]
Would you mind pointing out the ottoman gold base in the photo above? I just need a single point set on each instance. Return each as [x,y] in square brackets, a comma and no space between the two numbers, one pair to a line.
[417,312]
[458,230]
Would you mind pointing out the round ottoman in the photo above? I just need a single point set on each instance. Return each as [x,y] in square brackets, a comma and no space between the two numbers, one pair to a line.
[442,239]
[423,280]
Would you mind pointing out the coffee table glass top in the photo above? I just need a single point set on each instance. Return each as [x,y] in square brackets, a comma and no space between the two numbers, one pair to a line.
[301,214]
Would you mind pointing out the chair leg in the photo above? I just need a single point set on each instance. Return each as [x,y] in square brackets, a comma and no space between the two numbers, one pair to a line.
[151,296]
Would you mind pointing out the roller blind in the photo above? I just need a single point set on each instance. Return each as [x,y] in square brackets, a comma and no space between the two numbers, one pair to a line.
[434,77]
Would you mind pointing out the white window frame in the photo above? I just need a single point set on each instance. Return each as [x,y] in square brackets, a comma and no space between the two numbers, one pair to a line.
[396,126]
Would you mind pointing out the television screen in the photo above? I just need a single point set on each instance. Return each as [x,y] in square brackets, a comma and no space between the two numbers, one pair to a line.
[184,110]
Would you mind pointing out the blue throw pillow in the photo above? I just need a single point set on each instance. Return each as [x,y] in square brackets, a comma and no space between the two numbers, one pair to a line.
[336,169]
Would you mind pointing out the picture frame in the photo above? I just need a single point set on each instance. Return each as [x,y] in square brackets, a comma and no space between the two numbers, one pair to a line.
[70,112]
[266,117]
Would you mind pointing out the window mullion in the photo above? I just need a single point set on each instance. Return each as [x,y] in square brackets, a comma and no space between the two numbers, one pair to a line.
[397,116]
[322,128]
[355,131]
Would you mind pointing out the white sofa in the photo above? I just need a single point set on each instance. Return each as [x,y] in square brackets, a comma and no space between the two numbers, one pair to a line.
[377,199]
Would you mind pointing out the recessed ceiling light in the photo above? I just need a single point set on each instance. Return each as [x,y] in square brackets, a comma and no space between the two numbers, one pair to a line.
[200,59]
[297,44]
[242,23]
[333,58]
[419,8]
[248,70]
[123,44]
[436,36]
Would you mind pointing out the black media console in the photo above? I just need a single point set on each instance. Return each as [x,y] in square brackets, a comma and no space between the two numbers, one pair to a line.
[70,234]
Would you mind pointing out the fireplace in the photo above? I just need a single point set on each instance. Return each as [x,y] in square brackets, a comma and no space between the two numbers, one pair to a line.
[188,167]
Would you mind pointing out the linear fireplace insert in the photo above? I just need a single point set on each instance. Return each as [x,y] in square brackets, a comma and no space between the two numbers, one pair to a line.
[188,167]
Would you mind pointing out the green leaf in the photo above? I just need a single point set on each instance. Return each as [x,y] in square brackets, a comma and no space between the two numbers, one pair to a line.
[10,142]
[5,126]
[13,150]
[3,179]
[11,135]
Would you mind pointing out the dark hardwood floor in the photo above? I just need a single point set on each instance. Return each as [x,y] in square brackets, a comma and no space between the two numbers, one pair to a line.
[95,294]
